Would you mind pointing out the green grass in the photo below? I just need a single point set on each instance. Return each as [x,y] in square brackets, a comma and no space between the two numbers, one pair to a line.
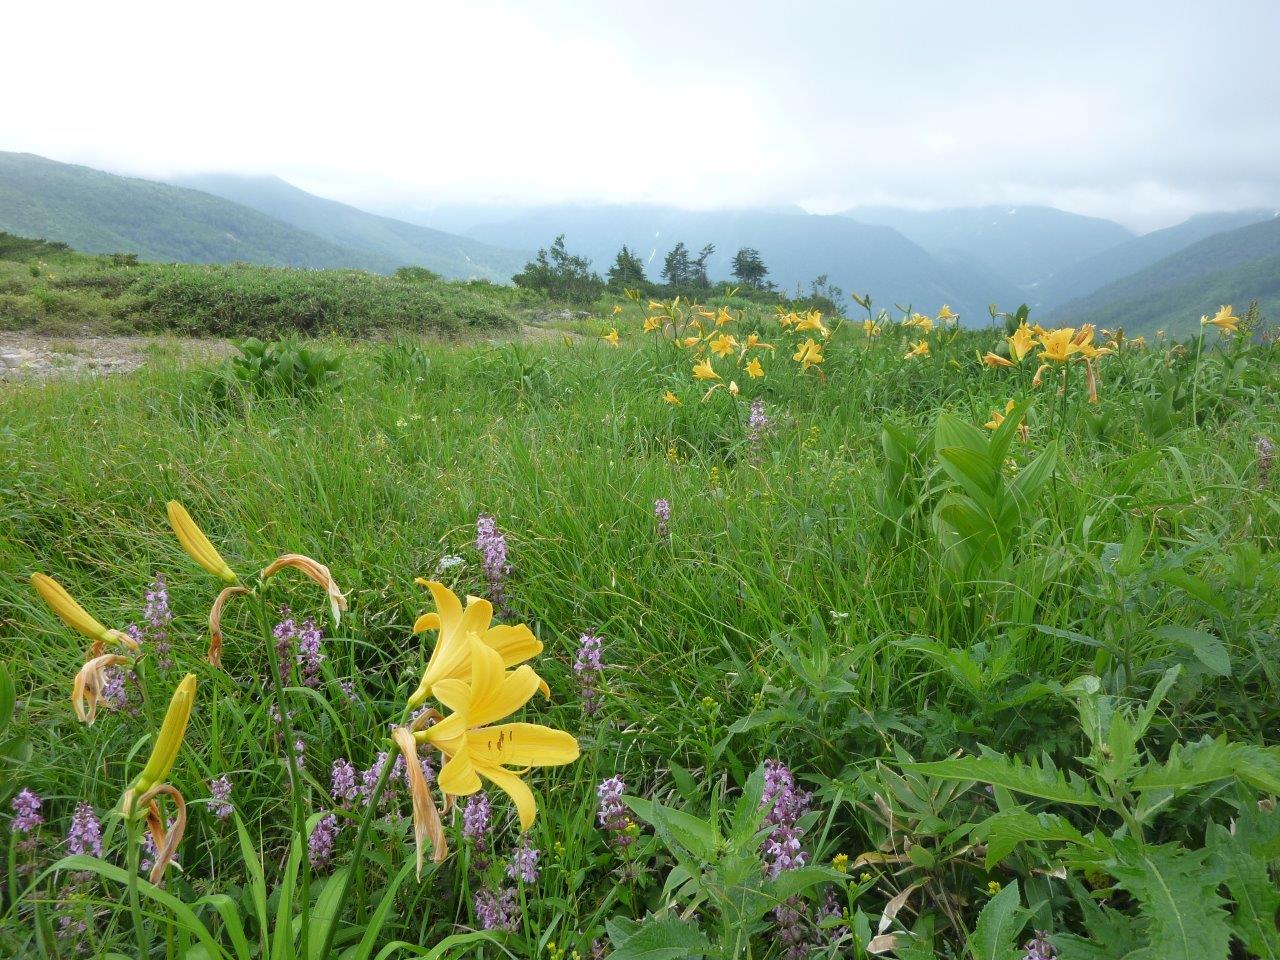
[783,618]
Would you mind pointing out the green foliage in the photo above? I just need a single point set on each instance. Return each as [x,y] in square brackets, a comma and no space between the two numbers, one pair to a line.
[982,512]
[560,275]
[279,370]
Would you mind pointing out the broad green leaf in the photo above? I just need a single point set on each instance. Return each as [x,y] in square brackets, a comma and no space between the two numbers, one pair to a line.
[999,923]
[1027,484]
[974,472]
[8,697]
[667,938]
[1207,648]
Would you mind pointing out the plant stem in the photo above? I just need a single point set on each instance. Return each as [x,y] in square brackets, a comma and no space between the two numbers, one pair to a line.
[132,857]
[1195,379]
[362,836]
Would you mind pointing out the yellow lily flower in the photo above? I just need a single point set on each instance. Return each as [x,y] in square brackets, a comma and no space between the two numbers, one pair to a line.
[754,370]
[1059,345]
[690,341]
[476,745]
[704,371]
[74,615]
[457,628]
[919,349]
[995,360]
[1224,320]
[870,328]
[652,323]
[921,321]
[946,316]
[723,316]
[611,338]
[754,341]
[617,309]
[168,742]
[723,345]
[671,398]
[196,544]
[1021,343]
[812,321]
[997,417]
[808,354]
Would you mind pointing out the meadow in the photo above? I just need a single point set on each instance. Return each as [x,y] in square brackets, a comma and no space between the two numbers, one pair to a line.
[871,638]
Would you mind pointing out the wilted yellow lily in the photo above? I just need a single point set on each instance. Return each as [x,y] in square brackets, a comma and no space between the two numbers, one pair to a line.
[315,571]
[476,746]
[89,683]
[995,360]
[456,627]
[704,371]
[75,617]
[808,354]
[733,388]
[196,544]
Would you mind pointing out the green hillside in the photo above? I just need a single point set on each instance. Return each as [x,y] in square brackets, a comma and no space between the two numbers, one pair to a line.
[52,289]
[403,243]
[103,213]
[1233,267]
[1088,275]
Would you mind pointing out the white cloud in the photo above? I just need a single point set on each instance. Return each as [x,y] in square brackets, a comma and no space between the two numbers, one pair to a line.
[1142,111]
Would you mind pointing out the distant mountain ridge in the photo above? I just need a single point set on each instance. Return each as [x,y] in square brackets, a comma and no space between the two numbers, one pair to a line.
[104,213]
[398,241]
[1023,244]
[797,247]
[1172,293]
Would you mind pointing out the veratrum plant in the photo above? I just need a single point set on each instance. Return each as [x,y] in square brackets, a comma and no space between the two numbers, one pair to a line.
[983,512]
[1178,912]
[902,492]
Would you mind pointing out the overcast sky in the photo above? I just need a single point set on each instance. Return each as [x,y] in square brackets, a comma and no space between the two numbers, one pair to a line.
[1140,111]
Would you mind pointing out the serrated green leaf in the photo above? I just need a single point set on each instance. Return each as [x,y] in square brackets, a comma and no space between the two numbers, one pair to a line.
[1031,779]
[1209,761]
[1256,895]
[1178,894]
[1004,831]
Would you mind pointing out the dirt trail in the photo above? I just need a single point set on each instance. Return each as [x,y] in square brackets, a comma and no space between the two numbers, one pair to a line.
[28,355]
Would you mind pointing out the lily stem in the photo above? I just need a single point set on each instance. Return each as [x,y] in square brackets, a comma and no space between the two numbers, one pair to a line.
[295,779]
[133,856]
